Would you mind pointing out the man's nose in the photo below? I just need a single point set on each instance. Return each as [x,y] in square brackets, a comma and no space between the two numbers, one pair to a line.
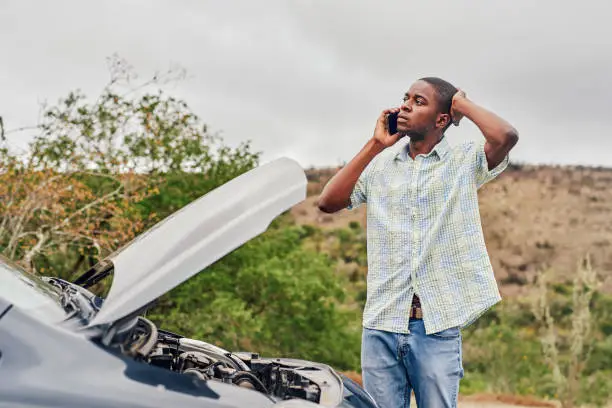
[406,106]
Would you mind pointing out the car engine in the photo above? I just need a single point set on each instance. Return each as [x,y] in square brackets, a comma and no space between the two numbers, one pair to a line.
[280,379]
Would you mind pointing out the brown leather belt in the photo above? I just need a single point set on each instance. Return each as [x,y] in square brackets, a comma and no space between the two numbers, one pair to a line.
[415,310]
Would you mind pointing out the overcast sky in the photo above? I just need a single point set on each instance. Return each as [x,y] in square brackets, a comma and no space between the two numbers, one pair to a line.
[307,79]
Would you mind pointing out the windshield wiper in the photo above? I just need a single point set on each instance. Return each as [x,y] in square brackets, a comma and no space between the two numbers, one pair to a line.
[77,302]
[95,274]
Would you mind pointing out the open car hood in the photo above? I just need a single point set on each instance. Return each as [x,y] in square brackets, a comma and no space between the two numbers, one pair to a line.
[199,234]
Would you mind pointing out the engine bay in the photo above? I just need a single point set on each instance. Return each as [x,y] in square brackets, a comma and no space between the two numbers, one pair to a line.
[280,379]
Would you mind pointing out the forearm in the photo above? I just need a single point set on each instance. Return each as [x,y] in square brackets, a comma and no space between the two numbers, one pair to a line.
[497,131]
[337,192]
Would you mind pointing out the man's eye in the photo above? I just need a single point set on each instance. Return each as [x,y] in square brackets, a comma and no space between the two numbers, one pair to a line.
[419,101]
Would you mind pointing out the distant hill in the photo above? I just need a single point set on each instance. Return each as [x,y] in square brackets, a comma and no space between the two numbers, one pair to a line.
[532,216]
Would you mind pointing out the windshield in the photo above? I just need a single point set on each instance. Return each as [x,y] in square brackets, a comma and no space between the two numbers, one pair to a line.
[30,293]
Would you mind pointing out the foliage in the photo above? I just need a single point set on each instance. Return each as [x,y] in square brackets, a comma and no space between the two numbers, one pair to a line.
[567,374]
[506,358]
[502,350]
[101,172]
[272,296]
[91,179]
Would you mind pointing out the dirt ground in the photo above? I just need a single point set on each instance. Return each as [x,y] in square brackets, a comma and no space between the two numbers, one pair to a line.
[500,401]
[483,400]
[482,404]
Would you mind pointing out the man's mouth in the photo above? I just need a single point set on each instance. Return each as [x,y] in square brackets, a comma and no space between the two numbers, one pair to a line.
[403,117]
[402,121]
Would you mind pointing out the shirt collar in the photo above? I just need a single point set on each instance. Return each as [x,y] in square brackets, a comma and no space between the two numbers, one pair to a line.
[441,149]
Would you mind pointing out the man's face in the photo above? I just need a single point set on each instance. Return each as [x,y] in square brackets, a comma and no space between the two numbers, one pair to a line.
[419,114]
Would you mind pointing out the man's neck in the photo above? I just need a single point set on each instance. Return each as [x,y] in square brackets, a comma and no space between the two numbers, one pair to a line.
[424,146]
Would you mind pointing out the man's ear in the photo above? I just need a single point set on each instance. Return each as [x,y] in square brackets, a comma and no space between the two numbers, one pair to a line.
[443,120]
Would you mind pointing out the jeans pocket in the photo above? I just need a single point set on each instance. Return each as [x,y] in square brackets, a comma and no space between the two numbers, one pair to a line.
[451,333]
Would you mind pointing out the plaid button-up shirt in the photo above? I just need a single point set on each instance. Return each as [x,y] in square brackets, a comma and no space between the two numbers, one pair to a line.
[424,236]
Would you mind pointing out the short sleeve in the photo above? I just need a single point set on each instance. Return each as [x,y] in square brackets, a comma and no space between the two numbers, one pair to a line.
[482,172]
[359,195]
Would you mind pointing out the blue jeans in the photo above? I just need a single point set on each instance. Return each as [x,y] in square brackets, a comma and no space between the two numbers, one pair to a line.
[394,364]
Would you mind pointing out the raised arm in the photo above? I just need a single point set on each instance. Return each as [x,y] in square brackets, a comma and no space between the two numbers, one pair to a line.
[500,135]
[337,192]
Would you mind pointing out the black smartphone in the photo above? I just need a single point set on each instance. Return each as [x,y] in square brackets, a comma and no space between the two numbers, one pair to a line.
[392,122]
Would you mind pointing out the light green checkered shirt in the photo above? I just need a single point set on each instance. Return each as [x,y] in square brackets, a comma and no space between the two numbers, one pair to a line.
[424,236]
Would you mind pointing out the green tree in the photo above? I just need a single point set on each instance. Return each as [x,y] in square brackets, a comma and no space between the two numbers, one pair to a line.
[100,172]
[78,193]
[272,296]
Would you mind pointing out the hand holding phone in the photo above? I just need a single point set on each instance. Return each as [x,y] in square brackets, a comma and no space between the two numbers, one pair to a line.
[385,131]
[392,122]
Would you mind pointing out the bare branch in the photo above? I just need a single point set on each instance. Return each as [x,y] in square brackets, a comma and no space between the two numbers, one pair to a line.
[92,240]
[21,129]
[42,238]
[87,207]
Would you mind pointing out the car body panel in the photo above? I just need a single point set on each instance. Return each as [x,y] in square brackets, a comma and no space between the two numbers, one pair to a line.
[199,234]
[47,365]
[40,300]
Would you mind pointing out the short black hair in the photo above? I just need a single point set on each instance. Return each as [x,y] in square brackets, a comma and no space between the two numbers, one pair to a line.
[444,91]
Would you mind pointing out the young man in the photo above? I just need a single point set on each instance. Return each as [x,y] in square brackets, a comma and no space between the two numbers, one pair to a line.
[429,273]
